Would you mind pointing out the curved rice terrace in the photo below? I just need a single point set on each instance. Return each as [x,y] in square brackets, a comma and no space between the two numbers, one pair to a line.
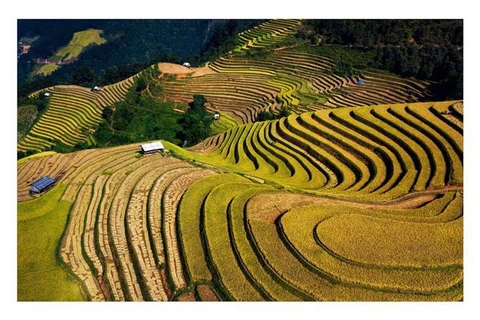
[72,113]
[242,86]
[357,196]
[378,152]
[236,223]
[236,86]
[266,34]
[301,81]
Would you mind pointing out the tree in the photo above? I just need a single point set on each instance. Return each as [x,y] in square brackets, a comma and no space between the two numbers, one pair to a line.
[107,113]
[265,115]
[142,84]
[284,112]
[103,133]
[83,76]
[198,104]
[41,101]
[196,122]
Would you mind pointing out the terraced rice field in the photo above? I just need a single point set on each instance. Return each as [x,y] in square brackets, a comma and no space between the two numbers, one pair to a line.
[383,221]
[79,42]
[72,111]
[121,240]
[242,86]
[378,152]
[266,34]
[295,239]
[303,82]
[234,86]
[225,93]
[357,196]
[47,69]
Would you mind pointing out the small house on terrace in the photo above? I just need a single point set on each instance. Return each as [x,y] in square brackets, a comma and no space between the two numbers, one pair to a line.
[153,147]
[42,185]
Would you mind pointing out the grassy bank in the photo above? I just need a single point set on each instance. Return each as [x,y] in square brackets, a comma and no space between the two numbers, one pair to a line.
[40,224]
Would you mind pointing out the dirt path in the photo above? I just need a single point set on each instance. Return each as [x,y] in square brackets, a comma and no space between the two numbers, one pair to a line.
[172,68]
[285,47]
[269,206]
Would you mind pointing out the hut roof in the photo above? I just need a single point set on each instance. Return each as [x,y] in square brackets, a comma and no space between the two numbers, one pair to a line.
[42,183]
[157,145]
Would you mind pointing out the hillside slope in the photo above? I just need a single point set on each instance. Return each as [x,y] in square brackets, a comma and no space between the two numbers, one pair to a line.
[235,222]
[240,85]
[357,195]
[80,41]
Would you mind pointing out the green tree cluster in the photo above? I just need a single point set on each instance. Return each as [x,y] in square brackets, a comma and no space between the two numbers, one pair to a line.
[265,115]
[23,154]
[41,101]
[84,76]
[424,49]
[195,122]
[132,45]
[138,118]
[141,117]
[380,32]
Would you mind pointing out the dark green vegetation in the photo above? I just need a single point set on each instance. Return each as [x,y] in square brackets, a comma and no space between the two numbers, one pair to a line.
[424,49]
[41,277]
[29,111]
[128,41]
[40,101]
[196,122]
[137,117]
[355,196]
[132,45]
[224,38]
[26,115]
[156,227]
[269,115]
[369,33]
[126,120]
[141,117]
